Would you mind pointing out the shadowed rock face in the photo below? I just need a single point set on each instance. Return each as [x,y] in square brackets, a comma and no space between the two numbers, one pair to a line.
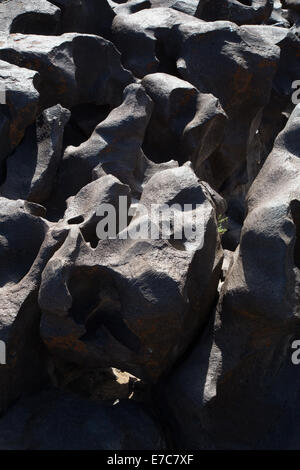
[20,106]
[244,390]
[29,17]
[197,51]
[149,224]
[113,148]
[31,169]
[27,242]
[125,426]
[90,16]
[132,6]
[69,75]
[291,4]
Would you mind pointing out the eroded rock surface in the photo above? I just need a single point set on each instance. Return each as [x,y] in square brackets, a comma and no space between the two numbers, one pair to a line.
[140,302]
[19,106]
[183,45]
[69,75]
[29,17]
[245,392]
[27,242]
[31,169]
[149,224]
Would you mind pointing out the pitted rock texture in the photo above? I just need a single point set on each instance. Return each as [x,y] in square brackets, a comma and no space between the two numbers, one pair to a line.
[250,398]
[149,224]
[101,324]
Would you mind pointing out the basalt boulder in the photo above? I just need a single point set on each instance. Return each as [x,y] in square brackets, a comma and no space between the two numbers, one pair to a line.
[32,168]
[273,119]
[18,108]
[182,45]
[239,12]
[27,242]
[239,387]
[83,208]
[29,17]
[284,93]
[132,6]
[185,124]
[135,302]
[90,16]
[279,17]
[69,75]
[113,148]
[185,6]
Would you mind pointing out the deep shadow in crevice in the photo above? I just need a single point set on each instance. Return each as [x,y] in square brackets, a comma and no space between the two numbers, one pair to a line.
[295,211]
[97,303]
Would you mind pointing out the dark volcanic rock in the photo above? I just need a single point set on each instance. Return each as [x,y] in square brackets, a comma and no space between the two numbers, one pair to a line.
[279,108]
[82,208]
[113,148]
[185,124]
[126,168]
[239,388]
[239,12]
[129,303]
[197,51]
[57,421]
[29,17]
[132,6]
[88,16]
[31,169]
[69,75]
[26,244]
[18,85]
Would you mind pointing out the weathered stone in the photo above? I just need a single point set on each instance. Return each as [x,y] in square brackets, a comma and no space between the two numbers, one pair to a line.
[185,124]
[82,208]
[69,75]
[239,387]
[132,6]
[278,16]
[32,168]
[29,17]
[113,148]
[185,6]
[18,107]
[132,327]
[26,244]
[134,304]
[177,43]
[239,12]
[90,16]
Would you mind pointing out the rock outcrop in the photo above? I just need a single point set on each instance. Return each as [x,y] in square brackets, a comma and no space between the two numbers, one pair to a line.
[239,387]
[149,225]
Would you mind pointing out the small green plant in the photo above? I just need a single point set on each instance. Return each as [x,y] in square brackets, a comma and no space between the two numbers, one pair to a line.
[222,224]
